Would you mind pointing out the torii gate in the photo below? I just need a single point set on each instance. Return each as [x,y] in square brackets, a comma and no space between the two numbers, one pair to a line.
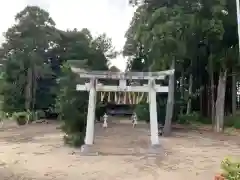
[152,88]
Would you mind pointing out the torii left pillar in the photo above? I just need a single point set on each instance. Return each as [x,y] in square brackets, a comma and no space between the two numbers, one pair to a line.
[89,137]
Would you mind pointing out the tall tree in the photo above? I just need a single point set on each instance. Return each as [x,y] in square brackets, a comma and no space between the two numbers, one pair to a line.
[30,39]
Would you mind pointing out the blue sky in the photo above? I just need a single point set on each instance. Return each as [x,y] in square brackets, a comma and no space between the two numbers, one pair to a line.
[109,16]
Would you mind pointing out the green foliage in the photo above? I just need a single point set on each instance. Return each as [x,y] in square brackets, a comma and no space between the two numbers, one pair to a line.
[200,36]
[231,169]
[72,106]
[33,53]
[74,139]
[40,114]
[3,115]
[194,117]
[183,119]
[229,121]
[13,85]
[25,117]
[232,121]
[142,111]
[83,52]
[27,53]
[21,118]
[237,124]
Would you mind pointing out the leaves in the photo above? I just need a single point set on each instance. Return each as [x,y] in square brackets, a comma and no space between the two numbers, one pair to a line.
[34,52]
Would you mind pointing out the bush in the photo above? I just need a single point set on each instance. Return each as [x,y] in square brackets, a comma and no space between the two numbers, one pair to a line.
[184,119]
[3,115]
[74,125]
[142,111]
[231,170]
[232,121]
[229,121]
[194,117]
[187,118]
[75,139]
[237,124]
[40,114]
[21,118]
[72,108]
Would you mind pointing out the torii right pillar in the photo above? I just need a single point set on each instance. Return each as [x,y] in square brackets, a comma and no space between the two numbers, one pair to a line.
[153,118]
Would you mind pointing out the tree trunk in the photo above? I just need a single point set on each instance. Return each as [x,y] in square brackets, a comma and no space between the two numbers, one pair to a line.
[220,102]
[234,94]
[189,104]
[28,90]
[211,73]
[182,90]
[34,90]
[170,104]
[201,99]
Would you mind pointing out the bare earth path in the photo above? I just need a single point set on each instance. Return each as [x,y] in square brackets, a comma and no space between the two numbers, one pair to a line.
[37,152]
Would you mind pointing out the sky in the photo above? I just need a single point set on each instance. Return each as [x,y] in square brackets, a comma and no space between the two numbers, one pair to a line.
[110,16]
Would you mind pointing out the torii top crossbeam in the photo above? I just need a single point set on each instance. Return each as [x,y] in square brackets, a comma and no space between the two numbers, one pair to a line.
[122,75]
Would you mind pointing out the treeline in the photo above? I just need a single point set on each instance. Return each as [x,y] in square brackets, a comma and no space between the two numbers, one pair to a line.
[199,39]
[33,54]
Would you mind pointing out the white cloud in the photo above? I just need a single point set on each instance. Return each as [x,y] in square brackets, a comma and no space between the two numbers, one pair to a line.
[110,16]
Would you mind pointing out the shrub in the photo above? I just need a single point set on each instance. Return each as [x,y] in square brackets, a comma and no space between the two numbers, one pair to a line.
[194,117]
[75,139]
[183,119]
[142,111]
[231,170]
[40,114]
[237,124]
[72,108]
[232,121]
[21,118]
[3,115]
[229,121]
[187,118]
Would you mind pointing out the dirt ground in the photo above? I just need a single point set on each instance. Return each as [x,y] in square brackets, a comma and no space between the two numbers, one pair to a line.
[37,152]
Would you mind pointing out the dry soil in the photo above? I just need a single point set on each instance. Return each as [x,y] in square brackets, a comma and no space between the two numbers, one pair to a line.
[37,152]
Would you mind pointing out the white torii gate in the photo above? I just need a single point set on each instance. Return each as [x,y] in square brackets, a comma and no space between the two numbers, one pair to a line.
[152,88]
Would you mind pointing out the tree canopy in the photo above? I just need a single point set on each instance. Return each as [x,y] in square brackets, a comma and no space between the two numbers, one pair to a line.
[200,38]
[33,54]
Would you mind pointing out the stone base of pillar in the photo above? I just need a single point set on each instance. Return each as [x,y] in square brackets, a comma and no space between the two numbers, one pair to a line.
[88,150]
[156,150]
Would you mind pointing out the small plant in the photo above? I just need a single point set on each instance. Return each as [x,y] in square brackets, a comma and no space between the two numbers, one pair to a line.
[21,117]
[75,139]
[231,170]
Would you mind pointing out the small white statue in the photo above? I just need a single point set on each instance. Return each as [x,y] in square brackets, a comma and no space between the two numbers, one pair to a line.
[105,118]
[134,119]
